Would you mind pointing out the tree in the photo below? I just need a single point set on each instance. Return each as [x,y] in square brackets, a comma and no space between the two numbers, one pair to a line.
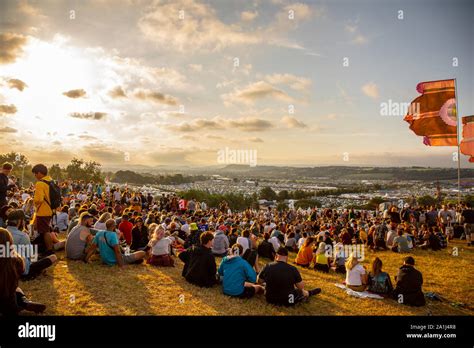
[21,167]
[374,202]
[307,203]
[55,172]
[268,194]
[74,169]
[78,169]
[281,206]
[426,200]
[283,194]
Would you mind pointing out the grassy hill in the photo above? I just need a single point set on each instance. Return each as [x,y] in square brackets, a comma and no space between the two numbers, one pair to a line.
[75,288]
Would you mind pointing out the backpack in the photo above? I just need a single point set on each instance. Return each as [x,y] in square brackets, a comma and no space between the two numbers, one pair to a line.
[54,194]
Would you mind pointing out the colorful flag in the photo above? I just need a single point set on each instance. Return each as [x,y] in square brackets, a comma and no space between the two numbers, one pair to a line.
[433,114]
[467,143]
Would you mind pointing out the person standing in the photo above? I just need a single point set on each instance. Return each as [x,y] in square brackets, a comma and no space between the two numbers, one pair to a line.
[4,182]
[43,211]
[468,219]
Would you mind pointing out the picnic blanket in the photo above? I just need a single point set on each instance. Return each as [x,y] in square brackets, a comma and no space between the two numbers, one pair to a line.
[359,294]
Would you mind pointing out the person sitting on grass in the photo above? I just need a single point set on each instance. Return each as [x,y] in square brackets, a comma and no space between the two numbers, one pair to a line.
[339,263]
[265,248]
[321,260]
[283,283]
[378,281]
[237,275]
[221,244]
[400,242]
[356,275]
[199,263]
[160,245]
[12,298]
[305,254]
[33,266]
[80,238]
[109,248]
[409,282]
[290,243]
[430,241]
[302,240]
[139,235]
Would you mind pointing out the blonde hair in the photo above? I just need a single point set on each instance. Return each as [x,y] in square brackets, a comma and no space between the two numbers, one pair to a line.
[104,217]
[321,248]
[158,234]
[351,262]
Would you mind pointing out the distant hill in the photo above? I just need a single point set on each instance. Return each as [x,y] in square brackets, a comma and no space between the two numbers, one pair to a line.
[346,172]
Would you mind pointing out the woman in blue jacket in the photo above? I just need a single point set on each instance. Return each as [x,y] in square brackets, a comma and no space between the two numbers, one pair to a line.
[237,275]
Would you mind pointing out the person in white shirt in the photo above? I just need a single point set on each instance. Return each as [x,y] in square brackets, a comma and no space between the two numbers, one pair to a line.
[302,240]
[160,252]
[245,241]
[392,233]
[275,242]
[62,218]
[186,228]
[117,196]
[356,275]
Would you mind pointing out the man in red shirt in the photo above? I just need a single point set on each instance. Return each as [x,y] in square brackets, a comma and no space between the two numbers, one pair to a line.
[125,227]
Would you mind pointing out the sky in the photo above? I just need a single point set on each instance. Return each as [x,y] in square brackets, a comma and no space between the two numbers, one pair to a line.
[135,82]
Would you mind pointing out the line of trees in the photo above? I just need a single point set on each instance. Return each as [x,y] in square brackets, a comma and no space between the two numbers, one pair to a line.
[131,177]
[77,169]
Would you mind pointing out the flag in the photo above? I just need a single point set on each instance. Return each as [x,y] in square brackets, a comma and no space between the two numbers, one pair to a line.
[433,114]
[467,143]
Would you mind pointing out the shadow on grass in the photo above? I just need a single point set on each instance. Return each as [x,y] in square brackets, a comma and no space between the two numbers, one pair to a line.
[117,291]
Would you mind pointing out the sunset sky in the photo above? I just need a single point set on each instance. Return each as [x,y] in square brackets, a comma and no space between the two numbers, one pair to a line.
[172,82]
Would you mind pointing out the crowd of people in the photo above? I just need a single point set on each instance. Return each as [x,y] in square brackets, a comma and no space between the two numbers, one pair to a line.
[218,247]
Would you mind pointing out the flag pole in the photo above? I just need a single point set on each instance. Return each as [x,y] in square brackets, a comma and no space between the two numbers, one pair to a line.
[458,129]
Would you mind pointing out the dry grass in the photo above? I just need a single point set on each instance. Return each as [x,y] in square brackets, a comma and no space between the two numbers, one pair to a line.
[75,288]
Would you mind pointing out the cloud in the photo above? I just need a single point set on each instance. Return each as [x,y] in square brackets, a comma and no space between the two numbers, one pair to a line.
[89,115]
[196,125]
[250,124]
[248,16]
[197,27]
[18,84]
[11,47]
[255,91]
[371,90]
[195,67]
[292,122]
[189,137]
[155,97]
[8,130]
[255,140]
[188,25]
[360,40]
[8,109]
[87,137]
[214,137]
[75,93]
[294,82]
[117,92]
[104,153]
